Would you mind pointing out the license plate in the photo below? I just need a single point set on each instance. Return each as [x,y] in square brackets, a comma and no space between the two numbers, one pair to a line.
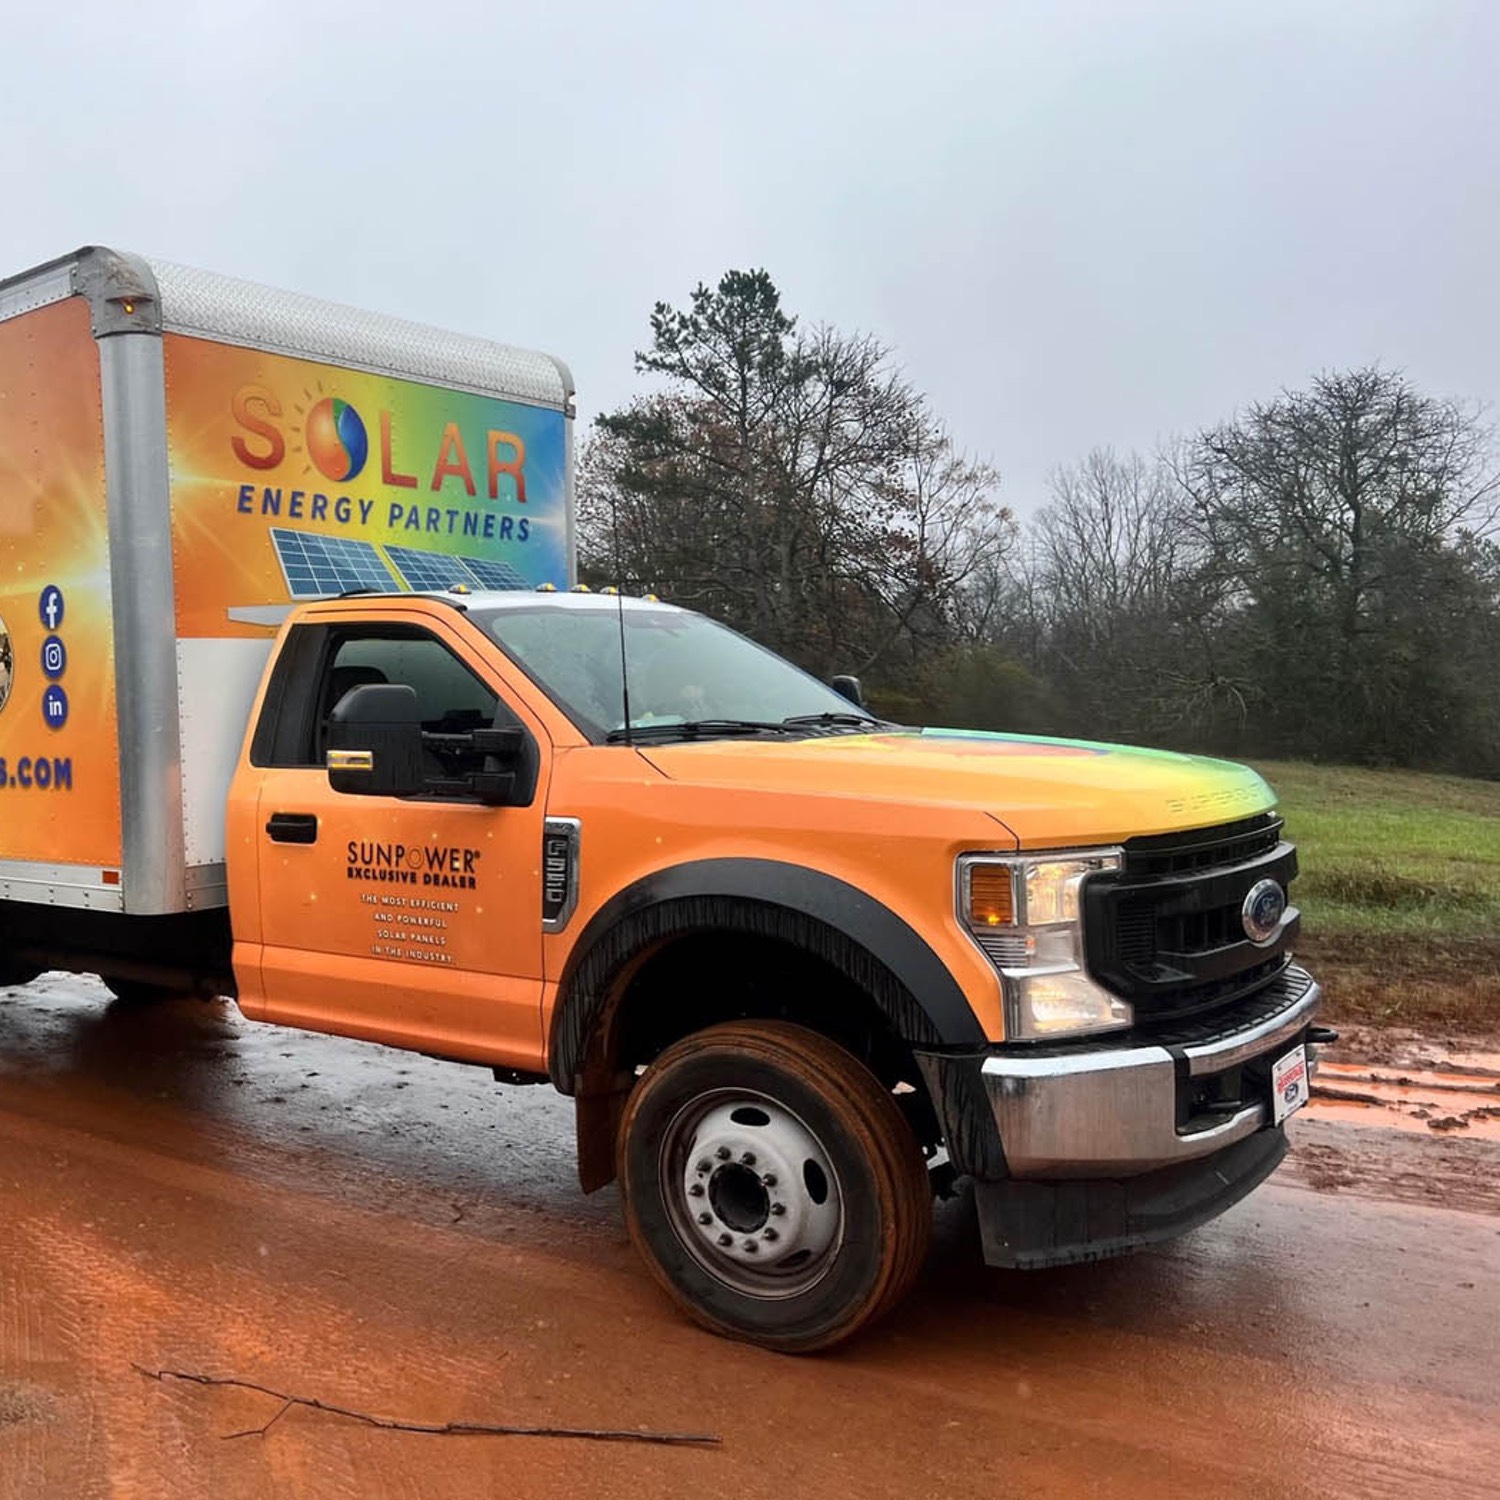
[1289,1083]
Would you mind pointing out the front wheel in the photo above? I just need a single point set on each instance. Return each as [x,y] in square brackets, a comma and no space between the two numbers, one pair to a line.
[773,1186]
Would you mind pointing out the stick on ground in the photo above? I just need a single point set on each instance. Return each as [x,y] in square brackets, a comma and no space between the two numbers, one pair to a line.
[439,1429]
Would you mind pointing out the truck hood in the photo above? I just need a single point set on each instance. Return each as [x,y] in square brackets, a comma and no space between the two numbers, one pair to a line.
[1047,792]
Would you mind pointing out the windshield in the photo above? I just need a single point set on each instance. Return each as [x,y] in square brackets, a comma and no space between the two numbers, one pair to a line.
[686,672]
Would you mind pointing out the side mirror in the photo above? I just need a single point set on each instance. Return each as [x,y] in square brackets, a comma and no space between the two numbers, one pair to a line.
[848,687]
[375,742]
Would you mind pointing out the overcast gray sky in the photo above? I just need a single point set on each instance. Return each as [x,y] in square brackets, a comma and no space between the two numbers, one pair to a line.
[1076,223]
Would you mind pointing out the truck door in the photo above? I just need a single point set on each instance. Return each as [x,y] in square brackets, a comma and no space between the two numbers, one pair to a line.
[411,921]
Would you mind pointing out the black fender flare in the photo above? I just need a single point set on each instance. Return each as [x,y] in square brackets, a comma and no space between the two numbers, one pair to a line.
[877,949]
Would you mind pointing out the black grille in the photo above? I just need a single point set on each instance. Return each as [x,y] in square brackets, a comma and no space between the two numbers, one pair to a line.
[1203,848]
[1167,932]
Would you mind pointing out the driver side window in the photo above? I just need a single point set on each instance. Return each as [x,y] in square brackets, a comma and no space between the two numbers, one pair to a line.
[450,698]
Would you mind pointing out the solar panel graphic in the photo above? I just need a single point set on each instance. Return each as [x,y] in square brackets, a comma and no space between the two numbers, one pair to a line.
[429,570]
[437,570]
[495,575]
[316,565]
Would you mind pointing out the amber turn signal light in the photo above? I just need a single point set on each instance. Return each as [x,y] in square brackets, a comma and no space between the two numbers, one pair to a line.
[992,901]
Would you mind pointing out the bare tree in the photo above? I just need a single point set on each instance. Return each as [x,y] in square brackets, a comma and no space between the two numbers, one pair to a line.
[1126,631]
[1112,540]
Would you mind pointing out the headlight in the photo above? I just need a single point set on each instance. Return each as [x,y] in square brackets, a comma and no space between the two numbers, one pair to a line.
[1026,914]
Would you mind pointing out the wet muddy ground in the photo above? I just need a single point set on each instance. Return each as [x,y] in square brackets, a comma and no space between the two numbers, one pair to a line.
[183,1191]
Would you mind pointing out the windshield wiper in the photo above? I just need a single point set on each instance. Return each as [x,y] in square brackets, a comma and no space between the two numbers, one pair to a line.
[797,721]
[693,729]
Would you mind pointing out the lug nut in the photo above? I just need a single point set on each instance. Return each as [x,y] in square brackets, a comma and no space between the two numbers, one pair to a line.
[751,1247]
[726,1240]
[704,1164]
[705,1218]
[748,1158]
[696,1190]
[769,1234]
[778,1209]
[769,1180]
[722,1153]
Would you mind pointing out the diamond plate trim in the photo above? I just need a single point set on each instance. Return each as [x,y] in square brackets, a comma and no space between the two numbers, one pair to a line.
[241,312]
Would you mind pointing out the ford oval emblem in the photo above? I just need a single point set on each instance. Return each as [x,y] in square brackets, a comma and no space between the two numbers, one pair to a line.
[1265,905]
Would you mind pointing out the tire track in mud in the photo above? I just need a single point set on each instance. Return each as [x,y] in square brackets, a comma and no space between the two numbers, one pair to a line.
[1419,1125]
[1452,1100]
[44,1427]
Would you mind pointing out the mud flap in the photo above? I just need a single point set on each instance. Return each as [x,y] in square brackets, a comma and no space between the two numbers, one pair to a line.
[1030,1225]
[599,1105]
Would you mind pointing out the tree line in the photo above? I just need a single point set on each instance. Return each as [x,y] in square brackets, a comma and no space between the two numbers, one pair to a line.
[1315,577]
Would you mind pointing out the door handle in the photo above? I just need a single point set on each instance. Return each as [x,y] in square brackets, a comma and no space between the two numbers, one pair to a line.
[293,828]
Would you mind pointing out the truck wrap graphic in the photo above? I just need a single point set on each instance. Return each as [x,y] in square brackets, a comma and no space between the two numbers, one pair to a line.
[295,480]
[59,751]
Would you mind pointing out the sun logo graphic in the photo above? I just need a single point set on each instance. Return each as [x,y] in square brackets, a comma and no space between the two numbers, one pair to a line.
[336,439]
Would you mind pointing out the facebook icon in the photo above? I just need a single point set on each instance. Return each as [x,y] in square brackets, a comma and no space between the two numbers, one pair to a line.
[55,707]
[52,606]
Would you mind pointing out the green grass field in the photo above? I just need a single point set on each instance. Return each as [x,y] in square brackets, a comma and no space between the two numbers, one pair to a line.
[1400,890]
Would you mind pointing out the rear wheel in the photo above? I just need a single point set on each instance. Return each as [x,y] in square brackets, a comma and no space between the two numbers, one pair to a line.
[138,992]
[773,1186]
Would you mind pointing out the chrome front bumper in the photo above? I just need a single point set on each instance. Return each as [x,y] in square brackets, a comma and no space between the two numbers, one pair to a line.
[1112,1112]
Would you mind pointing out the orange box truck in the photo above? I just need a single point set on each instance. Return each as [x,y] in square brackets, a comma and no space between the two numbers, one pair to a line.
[298,706]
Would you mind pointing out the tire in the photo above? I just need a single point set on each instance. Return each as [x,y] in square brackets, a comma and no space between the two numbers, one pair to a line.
[767,1134]
[133,992]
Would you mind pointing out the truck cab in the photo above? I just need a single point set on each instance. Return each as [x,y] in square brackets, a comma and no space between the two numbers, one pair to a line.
[795,965]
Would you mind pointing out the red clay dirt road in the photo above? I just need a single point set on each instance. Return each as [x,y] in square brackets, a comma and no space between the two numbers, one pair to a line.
[182,1190]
